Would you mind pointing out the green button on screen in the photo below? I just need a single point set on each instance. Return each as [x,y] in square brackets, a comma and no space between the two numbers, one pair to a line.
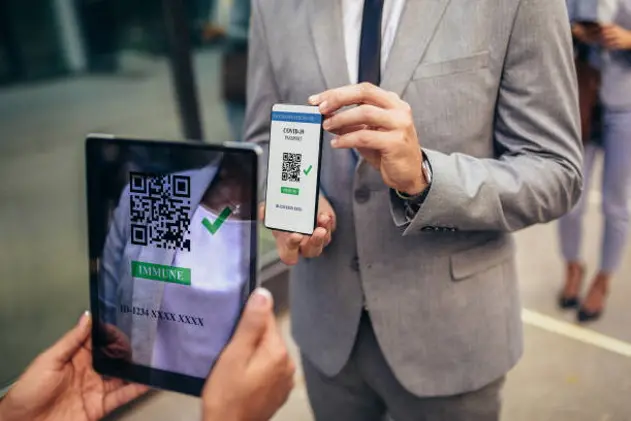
[290,190]
[162,273]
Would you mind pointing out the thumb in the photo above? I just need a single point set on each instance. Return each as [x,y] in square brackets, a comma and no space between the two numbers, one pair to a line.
[65,348]
[262,211]
[254,322]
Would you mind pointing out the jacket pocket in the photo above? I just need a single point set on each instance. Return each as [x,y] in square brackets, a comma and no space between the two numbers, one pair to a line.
[448,67]
[467,263]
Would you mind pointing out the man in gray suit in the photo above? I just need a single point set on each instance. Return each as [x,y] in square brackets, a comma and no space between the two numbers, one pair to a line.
[455,123]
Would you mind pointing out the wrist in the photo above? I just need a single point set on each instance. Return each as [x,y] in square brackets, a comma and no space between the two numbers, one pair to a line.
[420,182]
[414,188]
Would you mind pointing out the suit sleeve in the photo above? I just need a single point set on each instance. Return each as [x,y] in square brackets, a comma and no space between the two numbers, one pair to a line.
[112,259]
[535,176]
[262,91]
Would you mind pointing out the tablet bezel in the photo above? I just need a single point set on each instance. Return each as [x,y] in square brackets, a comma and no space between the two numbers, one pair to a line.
[153,377]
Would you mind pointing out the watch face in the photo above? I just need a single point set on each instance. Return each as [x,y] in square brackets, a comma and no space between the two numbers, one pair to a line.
[427,171]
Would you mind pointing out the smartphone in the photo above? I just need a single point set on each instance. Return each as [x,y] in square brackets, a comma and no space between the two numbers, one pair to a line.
[590,25]
[293,168]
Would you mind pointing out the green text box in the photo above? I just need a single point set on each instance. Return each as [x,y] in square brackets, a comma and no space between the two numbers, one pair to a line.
[162,273]
[290,190]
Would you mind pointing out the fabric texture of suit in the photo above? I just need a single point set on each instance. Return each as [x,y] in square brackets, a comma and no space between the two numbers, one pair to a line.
[492,89]
[116,283]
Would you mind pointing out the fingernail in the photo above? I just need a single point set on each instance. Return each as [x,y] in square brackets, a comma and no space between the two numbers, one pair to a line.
[334,141]
[323,107]
[85,318]
[261,297]
[326,125]
[313,99]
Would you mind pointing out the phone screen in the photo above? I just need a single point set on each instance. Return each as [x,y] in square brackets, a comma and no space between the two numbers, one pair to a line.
[293,168]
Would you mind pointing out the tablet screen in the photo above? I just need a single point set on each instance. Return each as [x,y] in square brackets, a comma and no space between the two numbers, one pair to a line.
[173,256]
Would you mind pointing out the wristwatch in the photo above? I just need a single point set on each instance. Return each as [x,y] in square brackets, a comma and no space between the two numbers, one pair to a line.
[413,203]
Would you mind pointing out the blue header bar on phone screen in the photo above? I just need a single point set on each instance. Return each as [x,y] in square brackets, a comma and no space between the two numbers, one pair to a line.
[297,117]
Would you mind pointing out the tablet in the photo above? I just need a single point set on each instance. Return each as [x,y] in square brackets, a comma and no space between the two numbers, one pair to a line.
[172,233]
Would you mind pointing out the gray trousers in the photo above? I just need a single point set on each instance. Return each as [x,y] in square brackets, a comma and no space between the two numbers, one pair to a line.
[615,194]
[366,390]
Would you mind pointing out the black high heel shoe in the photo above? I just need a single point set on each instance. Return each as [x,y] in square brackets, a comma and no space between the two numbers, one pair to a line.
[567,303]
[584,316]
[574,270]
[600,283]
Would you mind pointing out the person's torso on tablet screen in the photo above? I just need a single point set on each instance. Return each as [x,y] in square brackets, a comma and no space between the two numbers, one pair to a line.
[219,264]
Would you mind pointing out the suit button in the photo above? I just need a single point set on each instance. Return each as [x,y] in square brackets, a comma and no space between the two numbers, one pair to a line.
[362,195]
[355,264]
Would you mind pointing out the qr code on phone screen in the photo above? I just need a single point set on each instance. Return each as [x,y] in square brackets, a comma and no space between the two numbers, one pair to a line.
[159,210]
[291,166]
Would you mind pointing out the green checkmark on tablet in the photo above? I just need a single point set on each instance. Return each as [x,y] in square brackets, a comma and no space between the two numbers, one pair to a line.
[308,170]
[213,227]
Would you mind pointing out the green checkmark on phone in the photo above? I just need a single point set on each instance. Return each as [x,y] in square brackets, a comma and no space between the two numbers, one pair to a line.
[308,170]
[213,227]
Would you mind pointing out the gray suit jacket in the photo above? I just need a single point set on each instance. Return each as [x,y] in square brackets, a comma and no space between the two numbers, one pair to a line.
[493,92]
[116,285]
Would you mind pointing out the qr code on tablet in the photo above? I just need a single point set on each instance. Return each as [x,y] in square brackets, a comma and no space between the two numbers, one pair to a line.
[291,166]
[159,210]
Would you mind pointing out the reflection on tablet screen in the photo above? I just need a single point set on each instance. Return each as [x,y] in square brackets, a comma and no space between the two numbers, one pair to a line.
[177,254]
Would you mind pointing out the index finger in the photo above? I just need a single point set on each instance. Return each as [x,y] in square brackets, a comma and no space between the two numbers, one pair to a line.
[363,93]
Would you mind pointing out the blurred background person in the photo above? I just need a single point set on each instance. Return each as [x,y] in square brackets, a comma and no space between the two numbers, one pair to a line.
[608,49]
[235,63]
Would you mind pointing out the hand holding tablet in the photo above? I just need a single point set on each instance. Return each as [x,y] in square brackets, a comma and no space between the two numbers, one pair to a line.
[173,241]
[251,381]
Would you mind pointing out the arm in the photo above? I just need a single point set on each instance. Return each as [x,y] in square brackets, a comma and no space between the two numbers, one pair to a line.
[536,176]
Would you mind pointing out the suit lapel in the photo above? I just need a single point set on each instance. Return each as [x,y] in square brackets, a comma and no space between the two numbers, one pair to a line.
[419,21]
[327,31]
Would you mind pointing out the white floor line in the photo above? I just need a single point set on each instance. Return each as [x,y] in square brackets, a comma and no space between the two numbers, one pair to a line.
[575,332]
[595,197]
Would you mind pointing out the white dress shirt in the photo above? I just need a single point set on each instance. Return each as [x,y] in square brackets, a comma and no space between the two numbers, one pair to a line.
[220,268]
[352,11]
